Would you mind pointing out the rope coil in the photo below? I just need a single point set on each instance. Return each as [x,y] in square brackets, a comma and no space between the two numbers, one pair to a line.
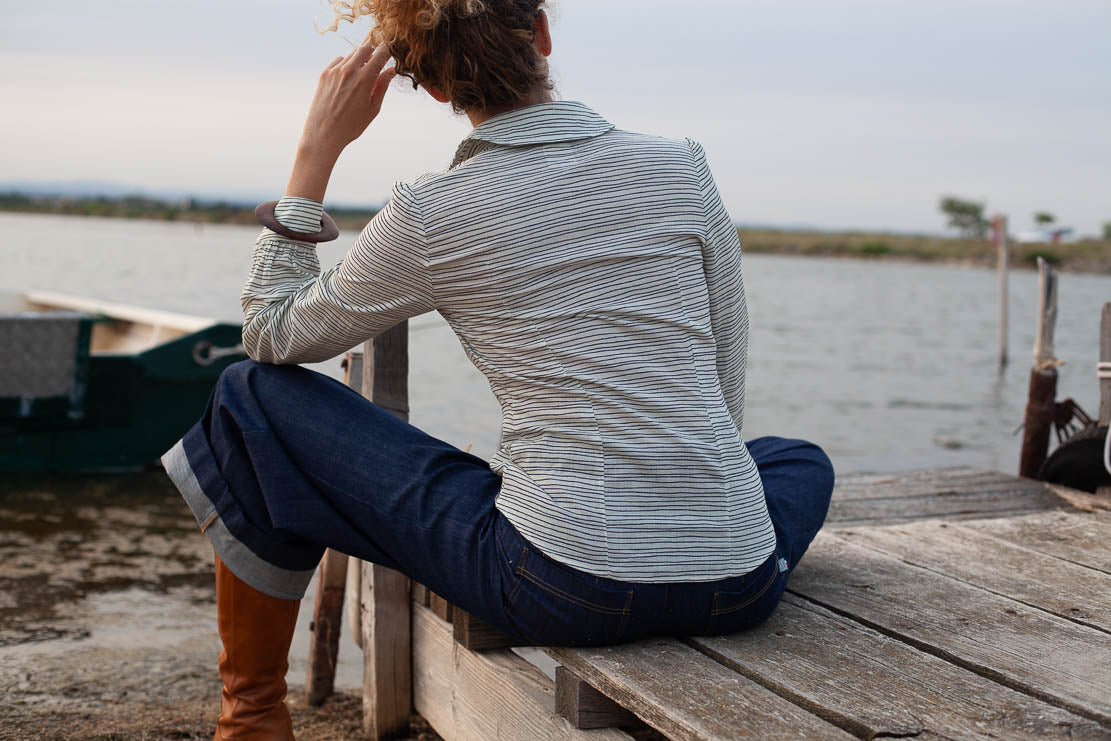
[205,353]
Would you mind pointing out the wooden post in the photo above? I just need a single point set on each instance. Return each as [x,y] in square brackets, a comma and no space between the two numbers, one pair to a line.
[353,595]
[327,619]
[1004,271]
[1042,399]
[387,655]
[1105,378]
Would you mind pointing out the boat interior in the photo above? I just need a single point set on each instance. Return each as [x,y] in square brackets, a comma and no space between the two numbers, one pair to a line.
[120,328]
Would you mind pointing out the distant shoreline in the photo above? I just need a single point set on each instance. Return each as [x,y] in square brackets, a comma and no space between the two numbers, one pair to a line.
[189,210]
[1092,256]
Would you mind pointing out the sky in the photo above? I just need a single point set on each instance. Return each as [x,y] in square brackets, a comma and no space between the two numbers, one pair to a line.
[826,113]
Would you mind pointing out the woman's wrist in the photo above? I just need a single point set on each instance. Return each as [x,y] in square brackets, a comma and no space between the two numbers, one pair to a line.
[311,171]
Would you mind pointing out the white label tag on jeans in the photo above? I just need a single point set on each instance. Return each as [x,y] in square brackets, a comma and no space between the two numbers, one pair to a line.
[782,564]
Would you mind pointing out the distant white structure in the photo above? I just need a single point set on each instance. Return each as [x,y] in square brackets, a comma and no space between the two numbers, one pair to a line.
[1053,233]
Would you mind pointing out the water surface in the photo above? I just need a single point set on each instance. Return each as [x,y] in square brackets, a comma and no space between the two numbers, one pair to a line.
[888,366]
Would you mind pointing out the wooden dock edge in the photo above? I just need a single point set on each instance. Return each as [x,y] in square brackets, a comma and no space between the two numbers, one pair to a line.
[466,695]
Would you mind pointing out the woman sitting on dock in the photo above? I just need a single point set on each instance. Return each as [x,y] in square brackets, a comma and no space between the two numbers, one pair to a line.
[594,276]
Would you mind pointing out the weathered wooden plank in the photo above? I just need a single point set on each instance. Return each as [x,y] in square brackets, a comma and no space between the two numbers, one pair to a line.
[1084,501]
[1066,589]
[872,685]
[687,696]
[925,482]
[893,511]
[327,620]
[468,696]
[1079,537]
[475,635]
[957,493]
[1022,647]
[420,594]
[585,707]
[387,677]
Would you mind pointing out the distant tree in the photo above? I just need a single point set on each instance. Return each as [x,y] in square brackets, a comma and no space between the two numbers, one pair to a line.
[967,216]
[1107,230]
[1044,218]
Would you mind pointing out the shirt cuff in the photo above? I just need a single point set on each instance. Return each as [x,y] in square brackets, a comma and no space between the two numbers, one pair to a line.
[299,214]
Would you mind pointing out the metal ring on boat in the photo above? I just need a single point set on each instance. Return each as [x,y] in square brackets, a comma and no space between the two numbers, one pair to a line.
[205,353]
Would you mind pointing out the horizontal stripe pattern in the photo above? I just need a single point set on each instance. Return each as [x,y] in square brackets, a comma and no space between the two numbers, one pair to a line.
[594,276]
[297,214]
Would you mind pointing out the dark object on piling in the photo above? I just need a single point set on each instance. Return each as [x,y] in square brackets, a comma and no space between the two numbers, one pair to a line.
[1078,462]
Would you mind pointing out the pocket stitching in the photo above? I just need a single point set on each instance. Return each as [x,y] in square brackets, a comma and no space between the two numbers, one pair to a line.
[726,610]
[625,617]
[517,582]
[551,589]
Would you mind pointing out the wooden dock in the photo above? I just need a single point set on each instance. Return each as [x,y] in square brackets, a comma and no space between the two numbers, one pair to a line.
[941,604]
[990,619]
[958,603]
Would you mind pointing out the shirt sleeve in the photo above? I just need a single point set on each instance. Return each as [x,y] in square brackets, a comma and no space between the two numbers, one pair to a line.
[721,262]
[299,214]
[294,313]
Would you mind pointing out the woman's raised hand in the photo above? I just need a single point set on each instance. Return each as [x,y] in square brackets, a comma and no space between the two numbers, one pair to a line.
[348,97]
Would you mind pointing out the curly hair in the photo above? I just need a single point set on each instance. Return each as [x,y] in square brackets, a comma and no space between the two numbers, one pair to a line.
[479,53]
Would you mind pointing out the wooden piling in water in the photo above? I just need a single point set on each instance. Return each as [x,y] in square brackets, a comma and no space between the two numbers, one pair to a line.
[1042,400]
[1004,272]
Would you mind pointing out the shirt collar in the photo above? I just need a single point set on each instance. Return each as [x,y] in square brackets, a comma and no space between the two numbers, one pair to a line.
[543,123]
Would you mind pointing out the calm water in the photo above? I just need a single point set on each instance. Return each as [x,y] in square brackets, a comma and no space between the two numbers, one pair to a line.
[888,366]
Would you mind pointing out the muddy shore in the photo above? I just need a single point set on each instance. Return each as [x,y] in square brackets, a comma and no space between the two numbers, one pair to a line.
[108,618]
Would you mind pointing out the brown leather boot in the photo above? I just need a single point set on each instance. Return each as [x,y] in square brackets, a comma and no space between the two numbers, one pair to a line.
[256,630]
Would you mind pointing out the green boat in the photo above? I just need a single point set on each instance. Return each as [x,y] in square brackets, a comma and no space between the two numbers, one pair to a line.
[88,385]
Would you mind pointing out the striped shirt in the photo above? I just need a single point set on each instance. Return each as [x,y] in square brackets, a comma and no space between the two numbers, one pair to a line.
[594,276]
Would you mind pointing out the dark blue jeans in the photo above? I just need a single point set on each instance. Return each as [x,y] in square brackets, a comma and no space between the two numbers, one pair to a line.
[286,462]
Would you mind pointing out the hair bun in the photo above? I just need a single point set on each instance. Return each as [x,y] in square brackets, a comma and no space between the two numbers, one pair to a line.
[479,53]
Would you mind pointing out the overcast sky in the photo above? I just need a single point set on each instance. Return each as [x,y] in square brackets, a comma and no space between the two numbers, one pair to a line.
[835,114]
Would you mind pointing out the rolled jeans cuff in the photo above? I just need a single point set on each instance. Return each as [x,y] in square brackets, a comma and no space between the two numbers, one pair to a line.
[243,562]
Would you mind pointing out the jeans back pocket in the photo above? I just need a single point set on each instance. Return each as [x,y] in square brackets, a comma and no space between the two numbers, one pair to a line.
[751,602]
[552,604]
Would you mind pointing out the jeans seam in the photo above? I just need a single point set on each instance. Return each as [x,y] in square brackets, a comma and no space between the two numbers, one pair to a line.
[625,618]
[517,587]
[725,611]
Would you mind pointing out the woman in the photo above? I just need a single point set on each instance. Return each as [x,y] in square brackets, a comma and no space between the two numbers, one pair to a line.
[593,275]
